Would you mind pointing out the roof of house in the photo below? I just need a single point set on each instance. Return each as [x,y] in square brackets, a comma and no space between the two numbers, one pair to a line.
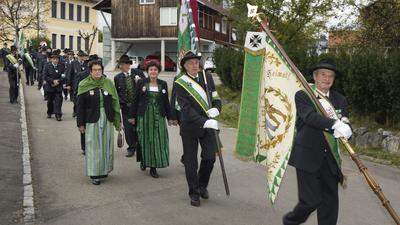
[105,6]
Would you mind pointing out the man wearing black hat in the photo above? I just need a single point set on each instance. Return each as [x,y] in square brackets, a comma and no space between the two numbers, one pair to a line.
[197,124]
[29,69]
[76,66]
[3,52]
[69,58]
[13,75]
[41,60]
[125,83]
[52,74]
[313,155]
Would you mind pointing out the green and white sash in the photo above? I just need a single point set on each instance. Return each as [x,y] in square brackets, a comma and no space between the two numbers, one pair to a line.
[195,90]
[12,59]
[331,113]
[29,59]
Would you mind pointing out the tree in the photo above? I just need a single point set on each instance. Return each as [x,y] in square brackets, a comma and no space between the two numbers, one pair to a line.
[89,38]
[380,23]
[18,15]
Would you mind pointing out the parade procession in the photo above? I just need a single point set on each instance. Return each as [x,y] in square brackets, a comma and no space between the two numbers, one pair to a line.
[194,112]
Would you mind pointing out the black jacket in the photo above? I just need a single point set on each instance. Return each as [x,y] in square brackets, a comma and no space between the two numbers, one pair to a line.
[41,60]
[310,146]
[120,85]
[192,116]
[88,107]
[78,78]
[11,70]
[141,99]
[74,68]
[51,73]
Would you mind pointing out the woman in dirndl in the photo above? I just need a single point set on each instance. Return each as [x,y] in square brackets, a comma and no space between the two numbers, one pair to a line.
[149,111]
[98,115]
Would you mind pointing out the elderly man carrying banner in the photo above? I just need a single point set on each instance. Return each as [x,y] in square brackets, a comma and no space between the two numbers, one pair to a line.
[316,166]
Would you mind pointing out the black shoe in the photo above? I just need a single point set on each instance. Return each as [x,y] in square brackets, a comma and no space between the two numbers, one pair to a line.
[58,118]
[96,181]
[195,201]
[66,98]
[203,193]
[48,115]
[142,167]
[130,154]
[73,115]
[153,172]
[83,153]
[182,161]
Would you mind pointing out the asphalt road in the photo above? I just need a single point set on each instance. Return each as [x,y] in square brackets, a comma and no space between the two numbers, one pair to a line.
[64,195]
[11,189]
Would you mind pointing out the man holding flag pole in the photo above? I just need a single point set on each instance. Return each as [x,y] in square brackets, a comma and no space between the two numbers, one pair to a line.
[198,104]
[285,120]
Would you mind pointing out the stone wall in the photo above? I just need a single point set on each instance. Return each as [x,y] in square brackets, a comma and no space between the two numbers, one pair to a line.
[382,139]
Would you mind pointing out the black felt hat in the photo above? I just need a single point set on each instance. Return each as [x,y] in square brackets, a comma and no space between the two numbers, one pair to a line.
[82,53]
[189,55]
[328,64]
[124,59]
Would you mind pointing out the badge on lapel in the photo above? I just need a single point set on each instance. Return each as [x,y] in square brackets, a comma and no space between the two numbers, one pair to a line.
[105,93]
[91,92]
[164,91]
[144,88]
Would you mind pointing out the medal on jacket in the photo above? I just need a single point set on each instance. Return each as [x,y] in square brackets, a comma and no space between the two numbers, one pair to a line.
[91,92]
[144,88]
[105,93]
[164,91]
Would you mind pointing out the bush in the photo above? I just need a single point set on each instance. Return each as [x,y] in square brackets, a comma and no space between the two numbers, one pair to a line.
[229,67]
[35,42]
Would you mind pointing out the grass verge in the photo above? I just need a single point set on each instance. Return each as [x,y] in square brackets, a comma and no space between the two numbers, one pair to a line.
[230,106]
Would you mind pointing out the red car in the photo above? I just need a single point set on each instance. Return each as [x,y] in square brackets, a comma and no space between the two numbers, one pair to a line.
[169,64]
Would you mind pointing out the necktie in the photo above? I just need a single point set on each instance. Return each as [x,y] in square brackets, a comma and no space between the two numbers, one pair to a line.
[130,96]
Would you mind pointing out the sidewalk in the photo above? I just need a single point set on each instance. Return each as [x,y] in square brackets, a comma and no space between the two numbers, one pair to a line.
[11,189]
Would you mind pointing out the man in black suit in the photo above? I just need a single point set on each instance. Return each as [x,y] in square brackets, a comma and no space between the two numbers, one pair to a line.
[29,69]
[13,75]
[77,66]
[317,167]
[197,125]
[3,52]
[125,83]
[52,74]
[41,60]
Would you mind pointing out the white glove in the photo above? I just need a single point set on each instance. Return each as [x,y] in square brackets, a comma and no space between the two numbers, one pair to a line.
[16,65]
[213,124]
[345,120]
[137,78]
[213,112]
[341,130]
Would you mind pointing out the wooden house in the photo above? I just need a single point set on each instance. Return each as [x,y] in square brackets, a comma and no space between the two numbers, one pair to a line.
[145,27]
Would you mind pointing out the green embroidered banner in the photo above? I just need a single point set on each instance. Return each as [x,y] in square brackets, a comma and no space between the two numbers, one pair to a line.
[248,119]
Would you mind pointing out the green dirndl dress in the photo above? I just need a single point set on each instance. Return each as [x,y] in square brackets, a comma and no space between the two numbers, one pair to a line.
[99,143]
[153,134]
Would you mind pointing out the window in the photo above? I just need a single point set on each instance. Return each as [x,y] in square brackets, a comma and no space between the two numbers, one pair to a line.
[71,11]
[146,1]
[86,14]
[217,27]
[62,40]
[205,20]
[168,16]
[54,9]
[71,42]
[79,13]
[54,41]
[62,10]
[78,43]
[224,26]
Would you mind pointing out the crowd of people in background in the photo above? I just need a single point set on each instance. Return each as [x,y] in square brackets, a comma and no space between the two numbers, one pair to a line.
[136,102]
